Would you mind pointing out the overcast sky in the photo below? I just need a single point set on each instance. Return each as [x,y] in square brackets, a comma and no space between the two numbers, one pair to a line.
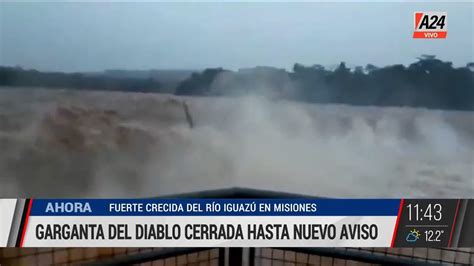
[97,36]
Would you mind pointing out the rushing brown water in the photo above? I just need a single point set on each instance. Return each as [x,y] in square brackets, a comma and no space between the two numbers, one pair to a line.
[103,144]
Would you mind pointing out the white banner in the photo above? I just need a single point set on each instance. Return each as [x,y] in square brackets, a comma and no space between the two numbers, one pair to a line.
[209,231]
[7,210]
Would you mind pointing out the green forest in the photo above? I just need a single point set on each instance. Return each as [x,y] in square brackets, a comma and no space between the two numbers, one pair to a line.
[429,82]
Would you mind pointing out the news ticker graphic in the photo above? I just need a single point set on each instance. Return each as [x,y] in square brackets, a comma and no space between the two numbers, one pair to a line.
[236,222]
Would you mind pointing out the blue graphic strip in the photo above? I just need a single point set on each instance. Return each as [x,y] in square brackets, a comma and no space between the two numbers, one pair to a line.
[215,207]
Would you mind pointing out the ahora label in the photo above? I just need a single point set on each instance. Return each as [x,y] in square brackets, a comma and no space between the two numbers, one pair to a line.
[430,25]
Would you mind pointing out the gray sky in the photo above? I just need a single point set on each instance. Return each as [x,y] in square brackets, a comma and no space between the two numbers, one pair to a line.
[97,36]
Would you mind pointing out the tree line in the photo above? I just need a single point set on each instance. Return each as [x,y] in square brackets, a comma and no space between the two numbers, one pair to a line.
[429,82]
[18,77]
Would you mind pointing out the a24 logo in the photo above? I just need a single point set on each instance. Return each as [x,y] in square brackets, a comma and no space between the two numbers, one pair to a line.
[430,25]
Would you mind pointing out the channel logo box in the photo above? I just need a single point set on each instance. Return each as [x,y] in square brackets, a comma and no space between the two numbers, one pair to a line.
[430,25]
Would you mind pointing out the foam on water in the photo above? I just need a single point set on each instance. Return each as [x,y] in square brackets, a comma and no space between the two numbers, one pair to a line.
[325,150]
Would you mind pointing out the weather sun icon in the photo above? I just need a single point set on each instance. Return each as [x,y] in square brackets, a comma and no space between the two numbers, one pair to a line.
[413,235]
